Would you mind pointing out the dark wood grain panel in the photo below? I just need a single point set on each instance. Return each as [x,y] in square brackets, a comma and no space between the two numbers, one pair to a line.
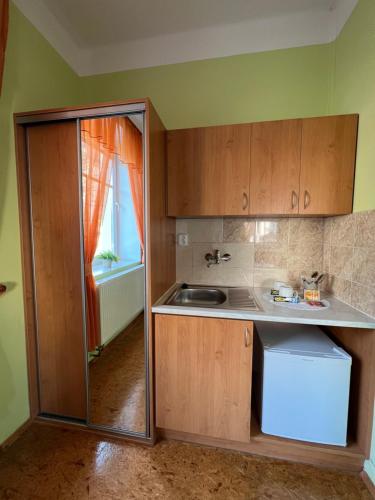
[208,171]
[203,376]
[275,167]
[328,164]
[54,192]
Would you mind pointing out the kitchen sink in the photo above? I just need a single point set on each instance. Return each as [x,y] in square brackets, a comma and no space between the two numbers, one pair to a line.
[216,297]
[199,297]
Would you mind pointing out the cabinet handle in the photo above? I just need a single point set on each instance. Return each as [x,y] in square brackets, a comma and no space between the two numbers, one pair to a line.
[294,199]
[307,199]
[246,336]
[245,201]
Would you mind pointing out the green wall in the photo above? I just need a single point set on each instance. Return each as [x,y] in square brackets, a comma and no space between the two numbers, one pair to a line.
[278,84]
[353,91]
[252,87]
[35,76]
[308,81]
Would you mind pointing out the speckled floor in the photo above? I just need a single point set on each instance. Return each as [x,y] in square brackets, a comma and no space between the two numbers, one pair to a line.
[51,463]
[117,381]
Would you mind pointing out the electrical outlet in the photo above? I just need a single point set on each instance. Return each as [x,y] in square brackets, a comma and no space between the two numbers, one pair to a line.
[182,239]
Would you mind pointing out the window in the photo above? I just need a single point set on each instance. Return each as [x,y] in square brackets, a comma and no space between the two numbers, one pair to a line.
[118,232]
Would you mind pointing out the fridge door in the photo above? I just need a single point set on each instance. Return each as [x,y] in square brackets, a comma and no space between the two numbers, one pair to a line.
[305,397]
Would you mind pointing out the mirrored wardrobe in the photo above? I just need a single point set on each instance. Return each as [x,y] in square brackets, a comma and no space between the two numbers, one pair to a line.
[98,250]
[114,242]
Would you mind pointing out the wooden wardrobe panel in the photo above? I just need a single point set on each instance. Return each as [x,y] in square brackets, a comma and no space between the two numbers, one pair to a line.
[54,196]
[208,171]
[162,256]
[203,376]
[328,164]
[275,167]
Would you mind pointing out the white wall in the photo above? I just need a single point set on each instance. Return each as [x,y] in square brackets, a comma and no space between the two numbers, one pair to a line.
[121,300]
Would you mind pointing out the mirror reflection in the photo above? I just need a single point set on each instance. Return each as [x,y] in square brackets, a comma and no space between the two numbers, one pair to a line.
[113,228]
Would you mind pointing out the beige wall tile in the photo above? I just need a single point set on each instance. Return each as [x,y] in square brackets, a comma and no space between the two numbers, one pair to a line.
[242,254]
[339,287]
[307,256]
[239,230]
[269,257]
[326,259]
[201,230]
[327,231]
[363,298]
[365,229]
[343,230]
[364,266]
[272,231]
[341,262]
[304,230]
[219,275]
[184,274]
[184,256]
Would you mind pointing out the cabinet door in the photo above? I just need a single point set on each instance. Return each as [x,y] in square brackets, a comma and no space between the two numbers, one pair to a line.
[275,167]
[56,234]
[328,164]
[203,376]
[208,171]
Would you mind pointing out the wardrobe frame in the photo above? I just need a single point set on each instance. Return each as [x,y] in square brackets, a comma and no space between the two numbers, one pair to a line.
[159,245]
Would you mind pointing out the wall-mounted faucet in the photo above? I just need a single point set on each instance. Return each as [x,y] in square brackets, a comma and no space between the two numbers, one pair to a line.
[216,258]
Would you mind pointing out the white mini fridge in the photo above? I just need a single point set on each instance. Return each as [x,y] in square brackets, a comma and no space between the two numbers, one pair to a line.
[304,381]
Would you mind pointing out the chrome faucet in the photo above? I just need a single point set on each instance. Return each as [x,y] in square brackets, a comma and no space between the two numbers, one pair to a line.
[216,258]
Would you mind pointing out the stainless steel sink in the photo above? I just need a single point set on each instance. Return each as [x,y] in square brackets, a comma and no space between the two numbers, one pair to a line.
[199,297]
[215,297]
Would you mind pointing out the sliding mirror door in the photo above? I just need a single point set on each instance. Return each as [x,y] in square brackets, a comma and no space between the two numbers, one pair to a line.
[114,259]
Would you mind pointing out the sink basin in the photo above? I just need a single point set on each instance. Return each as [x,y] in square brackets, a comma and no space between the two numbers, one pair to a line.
[236,298]
[198,297]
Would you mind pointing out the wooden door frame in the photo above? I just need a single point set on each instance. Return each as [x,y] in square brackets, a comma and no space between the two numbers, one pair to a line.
[21,120]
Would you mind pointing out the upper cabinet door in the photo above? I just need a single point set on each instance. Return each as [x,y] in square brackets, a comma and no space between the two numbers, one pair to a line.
[275,167]
[327,165]
[208,171]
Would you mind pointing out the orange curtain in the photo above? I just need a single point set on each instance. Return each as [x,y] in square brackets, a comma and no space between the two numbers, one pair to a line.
[98,146]
[4,21]
[131,154]
[101,140]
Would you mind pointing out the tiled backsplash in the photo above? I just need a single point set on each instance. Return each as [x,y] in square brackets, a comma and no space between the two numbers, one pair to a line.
[349,259]
[263,250]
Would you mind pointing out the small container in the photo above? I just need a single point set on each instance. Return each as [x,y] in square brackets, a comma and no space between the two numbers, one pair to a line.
[286,291]
[276,287]
[311,295]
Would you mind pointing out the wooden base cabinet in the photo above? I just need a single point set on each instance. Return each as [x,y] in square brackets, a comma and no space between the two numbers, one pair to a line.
[203,376]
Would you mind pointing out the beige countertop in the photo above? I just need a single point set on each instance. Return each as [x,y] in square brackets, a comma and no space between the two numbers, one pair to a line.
[337,314]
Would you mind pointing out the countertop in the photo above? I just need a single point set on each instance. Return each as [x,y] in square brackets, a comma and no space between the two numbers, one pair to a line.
[337,314]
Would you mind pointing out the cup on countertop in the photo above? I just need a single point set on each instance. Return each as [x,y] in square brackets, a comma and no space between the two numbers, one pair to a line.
[278,284]
[276,287]
[286,291]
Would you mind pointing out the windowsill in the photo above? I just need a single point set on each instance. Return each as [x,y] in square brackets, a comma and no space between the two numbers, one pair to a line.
[103,274]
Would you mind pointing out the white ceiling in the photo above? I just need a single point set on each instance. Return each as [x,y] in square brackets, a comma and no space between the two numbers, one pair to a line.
[98,36]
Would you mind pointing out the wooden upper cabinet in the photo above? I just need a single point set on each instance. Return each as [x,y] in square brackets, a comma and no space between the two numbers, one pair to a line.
[328,164]
[203,369]
[286,167]
[275,167]
[209,170]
